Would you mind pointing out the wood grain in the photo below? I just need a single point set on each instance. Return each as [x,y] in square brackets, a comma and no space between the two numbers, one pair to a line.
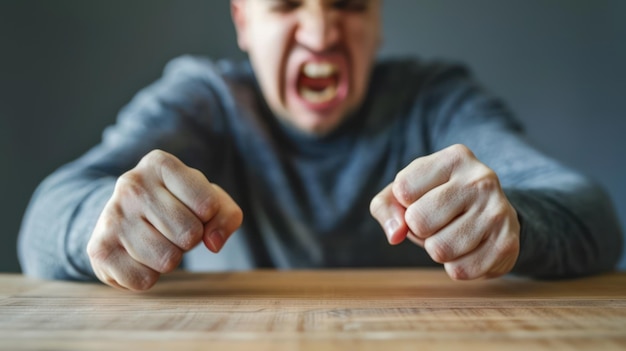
[316,310]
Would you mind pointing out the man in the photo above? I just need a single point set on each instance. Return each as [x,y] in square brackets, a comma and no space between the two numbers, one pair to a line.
[306,141]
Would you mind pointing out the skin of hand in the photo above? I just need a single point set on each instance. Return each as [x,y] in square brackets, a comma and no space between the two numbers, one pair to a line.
[159,210]
[453,206]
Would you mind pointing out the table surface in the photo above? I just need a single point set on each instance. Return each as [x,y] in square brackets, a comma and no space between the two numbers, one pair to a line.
[316,310]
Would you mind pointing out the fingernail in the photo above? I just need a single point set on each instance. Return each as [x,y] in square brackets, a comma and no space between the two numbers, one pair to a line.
[216,239]
[391,226]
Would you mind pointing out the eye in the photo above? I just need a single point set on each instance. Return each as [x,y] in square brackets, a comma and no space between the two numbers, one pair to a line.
[351,5]
[285,5]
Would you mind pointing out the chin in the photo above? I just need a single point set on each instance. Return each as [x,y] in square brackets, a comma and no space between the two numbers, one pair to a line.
[320,125]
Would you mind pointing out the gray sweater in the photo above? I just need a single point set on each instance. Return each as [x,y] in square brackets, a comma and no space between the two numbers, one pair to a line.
[305,199]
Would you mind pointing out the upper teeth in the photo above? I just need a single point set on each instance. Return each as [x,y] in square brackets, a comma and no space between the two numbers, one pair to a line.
[319,69]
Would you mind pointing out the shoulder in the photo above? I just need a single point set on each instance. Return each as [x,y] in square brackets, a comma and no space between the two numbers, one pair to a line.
[192,92]
[412,71]
[193,85]
[437,94]
[405,85]
[204,71]
[431,84]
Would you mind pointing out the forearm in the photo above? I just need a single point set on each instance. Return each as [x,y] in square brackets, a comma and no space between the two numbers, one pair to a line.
[568,224]
[59,222]
[566,233]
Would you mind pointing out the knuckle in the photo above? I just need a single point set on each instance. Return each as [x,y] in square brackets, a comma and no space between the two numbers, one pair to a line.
[497,214]
[107,279]
[130,185]
[207,207]
[145,281]
[457,272]
[156,157]
[417,221]
[104,240]
[401,189]
[109,222]
[456,155]
[460,151]
[486,180]
[496,209]
[159,160]
[507,247]
[191,235]
[439,251]
[377,205]
[170,260]
[97,252]
[194,172]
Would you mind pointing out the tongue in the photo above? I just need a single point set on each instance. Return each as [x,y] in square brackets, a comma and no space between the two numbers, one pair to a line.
[317,83]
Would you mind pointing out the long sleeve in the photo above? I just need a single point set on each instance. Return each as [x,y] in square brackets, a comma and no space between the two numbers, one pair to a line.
[173,114]
[568,223]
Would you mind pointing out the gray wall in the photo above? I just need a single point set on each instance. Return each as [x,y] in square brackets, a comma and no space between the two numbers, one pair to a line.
[68,66]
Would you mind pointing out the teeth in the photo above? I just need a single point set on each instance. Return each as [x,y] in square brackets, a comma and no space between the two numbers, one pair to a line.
[319,69]
[318,97]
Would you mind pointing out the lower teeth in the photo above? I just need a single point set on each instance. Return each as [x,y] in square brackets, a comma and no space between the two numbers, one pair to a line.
[320,96]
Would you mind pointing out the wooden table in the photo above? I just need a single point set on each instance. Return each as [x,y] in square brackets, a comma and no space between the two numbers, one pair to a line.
[316,310]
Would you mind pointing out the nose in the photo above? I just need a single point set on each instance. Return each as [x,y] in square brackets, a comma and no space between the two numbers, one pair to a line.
[318,29]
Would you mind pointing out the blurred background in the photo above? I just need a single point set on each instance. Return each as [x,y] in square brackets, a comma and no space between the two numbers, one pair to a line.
[68,66]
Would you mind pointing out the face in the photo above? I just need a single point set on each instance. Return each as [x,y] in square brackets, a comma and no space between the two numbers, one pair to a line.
[312,58]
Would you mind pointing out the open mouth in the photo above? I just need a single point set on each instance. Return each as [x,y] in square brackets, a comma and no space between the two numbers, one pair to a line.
[318,82]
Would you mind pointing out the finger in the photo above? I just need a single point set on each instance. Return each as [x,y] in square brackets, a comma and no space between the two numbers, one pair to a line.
[224,223]
[390,214]
[114,266]
[146,245]
[173,219]
[130,274]
[437,208]
[106,279]
[426,173]
[458,238]
[188,185]
[497,224]
[489,260]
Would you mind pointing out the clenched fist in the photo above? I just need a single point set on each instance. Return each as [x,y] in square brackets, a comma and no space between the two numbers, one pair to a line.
[452,205]
[159,210]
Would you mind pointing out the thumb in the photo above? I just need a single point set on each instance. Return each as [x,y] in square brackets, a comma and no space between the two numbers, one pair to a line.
[227,220]
[390,214]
